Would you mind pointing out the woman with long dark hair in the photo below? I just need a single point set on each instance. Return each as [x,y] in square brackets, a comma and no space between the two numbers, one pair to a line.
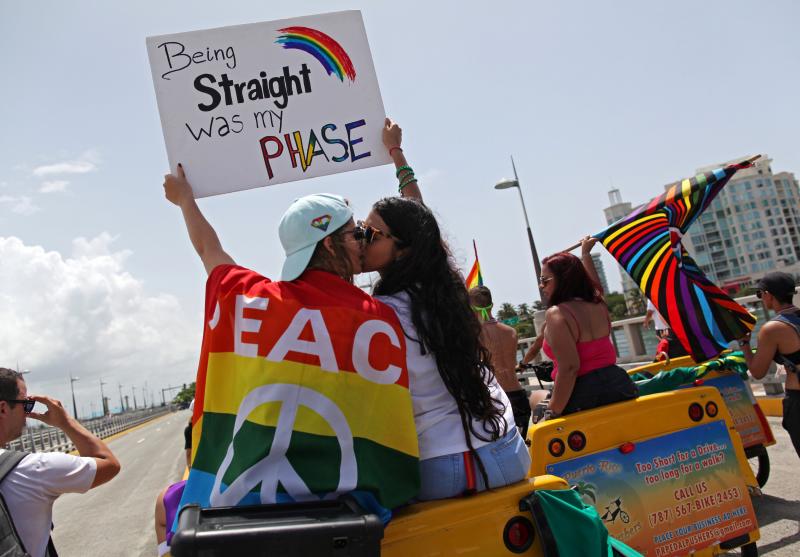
[463,417]
[578,337]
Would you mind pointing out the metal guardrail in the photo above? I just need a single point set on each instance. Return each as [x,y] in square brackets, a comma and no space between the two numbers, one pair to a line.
[52,439]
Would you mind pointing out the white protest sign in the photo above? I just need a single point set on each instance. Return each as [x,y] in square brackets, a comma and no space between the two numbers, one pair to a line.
[266,103]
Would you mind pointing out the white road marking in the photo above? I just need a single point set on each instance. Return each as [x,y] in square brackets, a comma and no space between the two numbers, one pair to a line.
[140,440]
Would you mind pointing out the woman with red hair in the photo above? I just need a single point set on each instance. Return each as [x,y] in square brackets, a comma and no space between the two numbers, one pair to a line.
[578,338]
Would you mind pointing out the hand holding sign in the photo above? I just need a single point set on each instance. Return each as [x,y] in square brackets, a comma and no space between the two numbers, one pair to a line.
[392,134]
[176,189]
[266,103]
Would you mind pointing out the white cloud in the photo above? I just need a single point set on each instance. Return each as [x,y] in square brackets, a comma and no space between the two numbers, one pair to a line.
[53,186]
[73,167]
[22,204]
[86,162]
[85,314]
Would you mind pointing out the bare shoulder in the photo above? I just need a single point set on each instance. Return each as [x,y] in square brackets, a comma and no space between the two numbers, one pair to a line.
[507,331]
[553,314]
[771,327]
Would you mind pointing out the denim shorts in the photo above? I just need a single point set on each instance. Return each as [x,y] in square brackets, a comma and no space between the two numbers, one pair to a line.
[506,460]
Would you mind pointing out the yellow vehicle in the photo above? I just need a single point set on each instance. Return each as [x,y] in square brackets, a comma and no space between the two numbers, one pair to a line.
[667,472]
[748,417]
[494,523]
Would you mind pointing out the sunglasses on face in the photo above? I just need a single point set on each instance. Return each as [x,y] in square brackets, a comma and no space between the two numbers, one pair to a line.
[367,234]
[759,294]
[544,280]
[27,405]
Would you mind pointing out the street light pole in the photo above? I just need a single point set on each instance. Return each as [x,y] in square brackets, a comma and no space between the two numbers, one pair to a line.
[72,388]
[102,397]
[505,184]
[121,401]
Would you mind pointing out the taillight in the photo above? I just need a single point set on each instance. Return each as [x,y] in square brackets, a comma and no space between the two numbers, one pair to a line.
[576,441]
[556,447]
[627,447]
[518,534]
[695,412]
[764,424]
[711,409]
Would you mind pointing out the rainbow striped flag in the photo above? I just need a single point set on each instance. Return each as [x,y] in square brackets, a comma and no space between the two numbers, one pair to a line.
[647,243]
[302,394]
[475,278]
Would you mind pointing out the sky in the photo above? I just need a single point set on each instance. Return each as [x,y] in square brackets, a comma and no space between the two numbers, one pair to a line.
[98,278]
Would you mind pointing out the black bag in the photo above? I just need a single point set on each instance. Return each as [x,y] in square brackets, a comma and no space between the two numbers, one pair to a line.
[339,528]
[10,542]
[544,371]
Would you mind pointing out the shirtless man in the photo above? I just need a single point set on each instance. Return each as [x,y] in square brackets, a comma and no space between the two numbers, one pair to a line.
[779,340]
[501,342]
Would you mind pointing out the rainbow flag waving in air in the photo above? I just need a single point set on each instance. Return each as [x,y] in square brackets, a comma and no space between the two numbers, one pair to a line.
[475,278]
[302,394]
[647,243]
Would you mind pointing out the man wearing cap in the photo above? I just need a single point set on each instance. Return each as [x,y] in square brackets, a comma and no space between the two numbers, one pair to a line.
[307,340]
[779,340]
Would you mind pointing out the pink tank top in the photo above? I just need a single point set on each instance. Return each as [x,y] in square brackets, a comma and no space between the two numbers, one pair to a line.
[593,354]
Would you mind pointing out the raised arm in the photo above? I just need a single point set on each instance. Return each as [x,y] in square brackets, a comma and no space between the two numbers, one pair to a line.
[86,443]
[586,258]
[392,139]
[204,239]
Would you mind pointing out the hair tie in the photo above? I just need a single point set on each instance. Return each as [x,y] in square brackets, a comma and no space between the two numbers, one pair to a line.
[484,311]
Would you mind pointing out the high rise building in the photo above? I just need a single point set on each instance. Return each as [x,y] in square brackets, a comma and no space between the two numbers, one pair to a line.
[615,211]
[752,227]
[601,272]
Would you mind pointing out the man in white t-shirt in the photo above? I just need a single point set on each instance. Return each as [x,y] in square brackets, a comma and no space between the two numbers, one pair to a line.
[652,316]
[32,487]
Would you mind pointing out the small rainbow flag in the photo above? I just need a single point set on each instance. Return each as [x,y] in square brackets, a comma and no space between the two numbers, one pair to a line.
[302,394]
[324,48]
[475,278]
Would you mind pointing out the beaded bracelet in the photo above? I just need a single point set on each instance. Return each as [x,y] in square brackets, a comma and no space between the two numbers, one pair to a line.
[401,169]
[405,183]
[393,148]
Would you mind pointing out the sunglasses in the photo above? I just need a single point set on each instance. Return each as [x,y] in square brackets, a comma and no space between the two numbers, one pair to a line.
[759,293]
[27,405]
[543,281]
[367,234]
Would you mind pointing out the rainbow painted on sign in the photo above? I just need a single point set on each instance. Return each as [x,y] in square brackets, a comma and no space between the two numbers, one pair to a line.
[325,49]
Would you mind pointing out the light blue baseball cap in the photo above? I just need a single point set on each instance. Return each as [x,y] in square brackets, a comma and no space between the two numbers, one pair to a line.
[308,220]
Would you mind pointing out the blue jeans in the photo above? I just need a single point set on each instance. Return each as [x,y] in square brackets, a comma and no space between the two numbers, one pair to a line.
[506,460]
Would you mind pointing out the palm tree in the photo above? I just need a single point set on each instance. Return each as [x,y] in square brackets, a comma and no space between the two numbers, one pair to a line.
[507,311]
[586,491]
[523,311]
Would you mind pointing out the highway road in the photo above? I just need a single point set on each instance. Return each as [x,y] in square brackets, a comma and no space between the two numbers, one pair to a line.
[117,519]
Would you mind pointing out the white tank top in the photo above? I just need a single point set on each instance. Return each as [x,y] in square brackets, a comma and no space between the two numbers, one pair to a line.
[436,416]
